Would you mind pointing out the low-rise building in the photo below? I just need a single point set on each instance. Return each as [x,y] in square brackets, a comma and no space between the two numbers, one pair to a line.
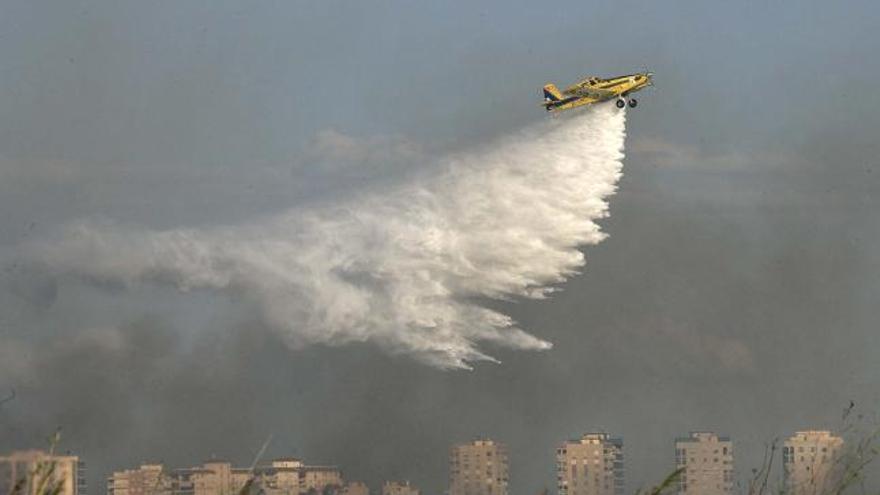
[286,476]
[399,488]
[29,468]
[148,479]
[355,488]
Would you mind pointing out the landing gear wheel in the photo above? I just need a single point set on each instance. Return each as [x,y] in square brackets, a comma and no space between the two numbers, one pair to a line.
[621,103]
[633,102]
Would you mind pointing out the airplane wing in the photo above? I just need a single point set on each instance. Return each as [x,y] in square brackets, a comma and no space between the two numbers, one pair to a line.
[570,103]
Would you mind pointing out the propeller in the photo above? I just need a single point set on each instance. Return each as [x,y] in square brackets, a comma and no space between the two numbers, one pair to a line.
[650,76]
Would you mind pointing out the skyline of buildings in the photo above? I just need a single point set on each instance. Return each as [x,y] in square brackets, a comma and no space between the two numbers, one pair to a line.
[590,465]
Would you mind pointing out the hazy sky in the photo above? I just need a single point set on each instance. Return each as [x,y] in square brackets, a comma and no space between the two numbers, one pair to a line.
[738,290]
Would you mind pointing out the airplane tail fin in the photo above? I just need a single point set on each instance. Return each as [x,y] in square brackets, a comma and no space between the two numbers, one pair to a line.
[551,93]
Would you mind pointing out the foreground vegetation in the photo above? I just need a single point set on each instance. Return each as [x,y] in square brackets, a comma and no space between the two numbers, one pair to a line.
[41,479]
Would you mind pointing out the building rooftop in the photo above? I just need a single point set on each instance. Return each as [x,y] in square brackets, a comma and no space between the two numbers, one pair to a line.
[481,442]
[600,436]
[813,433]
[697,436]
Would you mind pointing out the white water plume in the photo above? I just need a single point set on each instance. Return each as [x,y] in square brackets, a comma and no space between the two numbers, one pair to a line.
[399,269]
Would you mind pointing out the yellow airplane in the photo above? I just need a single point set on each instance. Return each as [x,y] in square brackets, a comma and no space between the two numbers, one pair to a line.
[594,90]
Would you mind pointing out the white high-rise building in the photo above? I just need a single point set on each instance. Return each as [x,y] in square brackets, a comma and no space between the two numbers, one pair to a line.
[591,465]
[707,463]
[809,462]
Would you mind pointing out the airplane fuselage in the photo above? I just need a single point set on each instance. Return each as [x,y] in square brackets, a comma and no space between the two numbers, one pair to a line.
[594,90]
